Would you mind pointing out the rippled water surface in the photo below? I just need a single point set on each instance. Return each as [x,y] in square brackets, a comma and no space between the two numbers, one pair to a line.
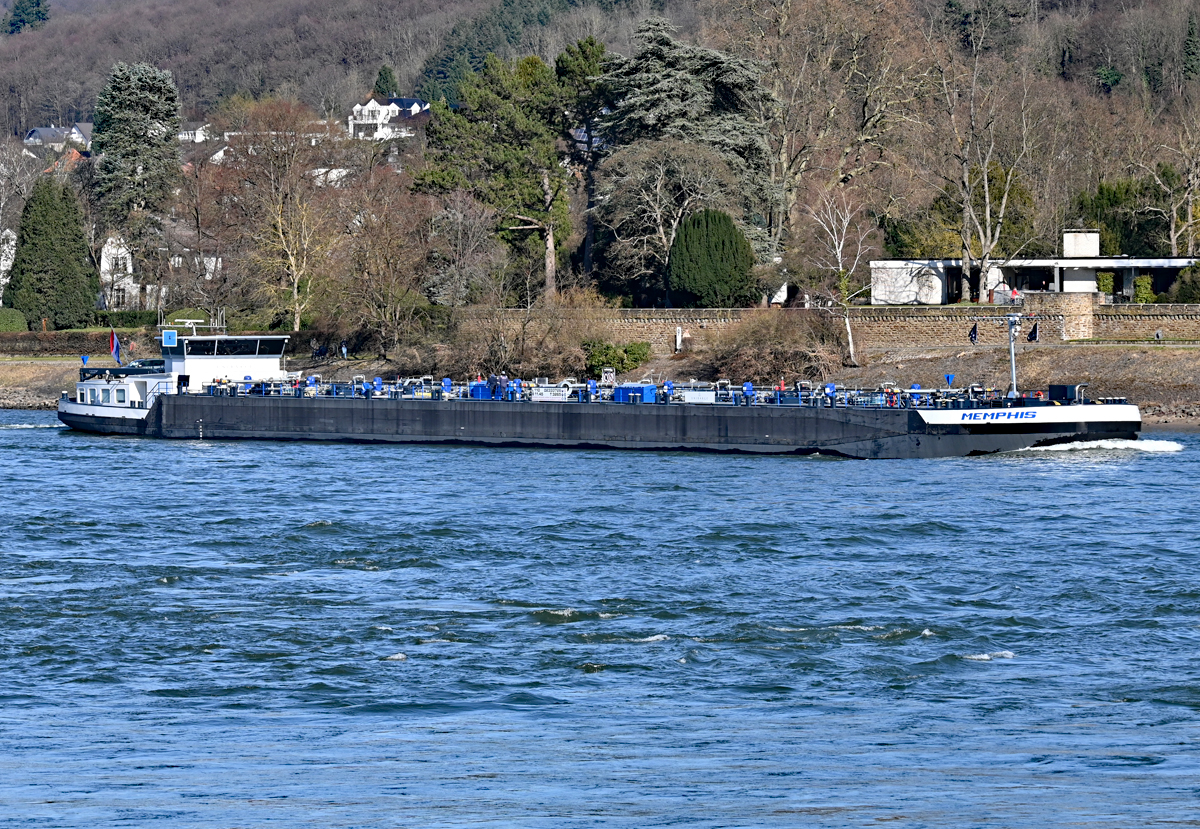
[254,634]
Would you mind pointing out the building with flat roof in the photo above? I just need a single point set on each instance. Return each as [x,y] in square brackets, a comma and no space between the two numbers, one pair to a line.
[939,281]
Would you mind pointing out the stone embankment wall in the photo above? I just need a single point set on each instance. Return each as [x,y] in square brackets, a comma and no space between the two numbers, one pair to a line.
[1062,318]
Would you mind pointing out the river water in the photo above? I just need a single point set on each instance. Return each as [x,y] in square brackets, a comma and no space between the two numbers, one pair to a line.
[302,635]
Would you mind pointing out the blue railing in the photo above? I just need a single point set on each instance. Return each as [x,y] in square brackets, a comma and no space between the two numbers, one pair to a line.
[746,395]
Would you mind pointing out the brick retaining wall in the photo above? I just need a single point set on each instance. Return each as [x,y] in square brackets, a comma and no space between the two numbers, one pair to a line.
[1063,318]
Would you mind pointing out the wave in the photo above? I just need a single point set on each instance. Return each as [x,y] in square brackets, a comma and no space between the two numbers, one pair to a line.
[658,637]
[33,426]
[396,657]
[1110,445]
[988,657]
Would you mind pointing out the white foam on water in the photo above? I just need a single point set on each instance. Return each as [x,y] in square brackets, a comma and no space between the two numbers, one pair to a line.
[34,426]
[434,641]
[928,632]
[382,627]
[658,637]
[610,615]
[856,627]
[396,657]
[1148,445]
[790,630]
[566,611]
[988,657]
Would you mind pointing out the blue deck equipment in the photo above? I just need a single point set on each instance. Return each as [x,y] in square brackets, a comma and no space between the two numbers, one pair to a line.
[635,393]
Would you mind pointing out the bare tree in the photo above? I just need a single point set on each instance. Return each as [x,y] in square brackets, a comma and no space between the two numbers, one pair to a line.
[464,249]
[644,193]
[386,254]
[843,74]
[1168,156]
[18,170]
[982,131]
[841,242]
[291,233]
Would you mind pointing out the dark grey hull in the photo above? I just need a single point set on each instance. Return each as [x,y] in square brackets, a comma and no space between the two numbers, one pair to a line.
[848,432]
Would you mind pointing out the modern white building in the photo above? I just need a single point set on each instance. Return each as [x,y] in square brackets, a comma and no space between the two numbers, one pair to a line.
[939,281]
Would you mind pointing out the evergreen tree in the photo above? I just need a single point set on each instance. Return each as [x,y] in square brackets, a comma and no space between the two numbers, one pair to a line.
[672,90]
[502,148]
[578,69]
[27,14]
[711,263]
[52,276]
[1191,49]
[136,124]
[386,84]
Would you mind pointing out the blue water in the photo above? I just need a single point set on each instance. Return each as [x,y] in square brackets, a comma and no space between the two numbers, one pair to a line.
[258,634]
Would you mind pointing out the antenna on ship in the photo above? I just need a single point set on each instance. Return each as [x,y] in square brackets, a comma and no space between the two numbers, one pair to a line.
[1014,322]
[1014,325]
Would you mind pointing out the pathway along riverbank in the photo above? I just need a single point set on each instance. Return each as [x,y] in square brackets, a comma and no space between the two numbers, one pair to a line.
[1163,380]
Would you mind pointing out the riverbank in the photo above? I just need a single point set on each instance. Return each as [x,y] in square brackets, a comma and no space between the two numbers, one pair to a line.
[1164,381]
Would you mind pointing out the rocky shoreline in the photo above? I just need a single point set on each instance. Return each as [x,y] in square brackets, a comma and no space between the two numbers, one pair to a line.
[23,399]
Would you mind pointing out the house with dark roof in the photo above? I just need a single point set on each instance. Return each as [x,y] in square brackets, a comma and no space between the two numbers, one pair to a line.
[54,138]
[81,135]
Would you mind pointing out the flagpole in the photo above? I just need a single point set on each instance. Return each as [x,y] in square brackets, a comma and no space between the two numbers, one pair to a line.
[1013,321]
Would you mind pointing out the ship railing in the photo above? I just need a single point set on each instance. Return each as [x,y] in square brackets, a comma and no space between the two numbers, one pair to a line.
[724,395]
[161,387]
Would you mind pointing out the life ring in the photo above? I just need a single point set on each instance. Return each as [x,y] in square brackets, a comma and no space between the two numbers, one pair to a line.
[891,400]
[1037,395]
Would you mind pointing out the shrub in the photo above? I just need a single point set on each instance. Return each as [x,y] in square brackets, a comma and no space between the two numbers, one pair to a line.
[1104,282]
[602,355]
[1143,289]
[127,319]
[12,320]
[1186,287]
[772,344]
[711,263]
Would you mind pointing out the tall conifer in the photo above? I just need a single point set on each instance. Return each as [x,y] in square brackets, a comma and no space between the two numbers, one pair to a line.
[1191,49]
[52,275]
[135,137]
[386,84]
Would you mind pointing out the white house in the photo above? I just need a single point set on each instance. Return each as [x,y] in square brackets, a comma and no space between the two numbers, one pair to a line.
[382,121]
[195,132]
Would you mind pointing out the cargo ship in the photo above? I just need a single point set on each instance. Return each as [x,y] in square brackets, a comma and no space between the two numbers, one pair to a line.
[216,386]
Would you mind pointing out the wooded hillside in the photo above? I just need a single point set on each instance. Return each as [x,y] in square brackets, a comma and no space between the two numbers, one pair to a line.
[326,54]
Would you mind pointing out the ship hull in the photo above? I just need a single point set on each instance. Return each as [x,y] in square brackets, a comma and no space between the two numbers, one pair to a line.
[856,432]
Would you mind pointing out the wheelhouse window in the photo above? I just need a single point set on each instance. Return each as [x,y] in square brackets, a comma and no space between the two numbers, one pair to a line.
[237,347]
[200,348]
[92,395]
[120,395]
[106,395]
[272,348]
